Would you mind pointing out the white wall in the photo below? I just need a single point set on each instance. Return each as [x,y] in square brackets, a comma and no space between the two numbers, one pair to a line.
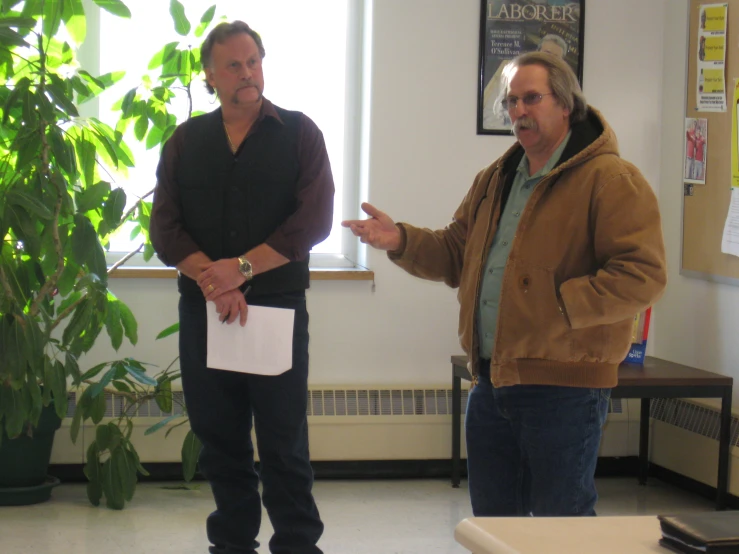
[424,154]
[698,320]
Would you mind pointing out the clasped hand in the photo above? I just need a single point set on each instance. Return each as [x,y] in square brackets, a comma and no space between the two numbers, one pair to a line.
[220,282]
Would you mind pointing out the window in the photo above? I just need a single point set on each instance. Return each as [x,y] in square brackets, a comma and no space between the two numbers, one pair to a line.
[308,45]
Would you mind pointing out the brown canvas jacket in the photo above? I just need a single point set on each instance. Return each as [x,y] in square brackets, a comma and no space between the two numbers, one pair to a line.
[587,257]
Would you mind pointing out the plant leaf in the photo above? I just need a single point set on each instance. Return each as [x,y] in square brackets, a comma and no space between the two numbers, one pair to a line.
[130,327]
[171,330]
[76,422]
[112,487]
[191,448]
[116,7]
[126,470]
[83,239]
[15,413]
[159,424]
[8,37]
[113,324]
[154,137]
[21,87]
[177,11]
[140,376]
[86,155]
[164,397]
[92,197]
[164,55]
[93,474]
[127,103]
[122,386]
[30,203]
[52,18]
[132,450]
[111,78]
[36,401]
[58,93]
[96,261]
[98,405]
[58,383]
[141,126]
[102,437]
[18,22]
[98,387]
[74,19]
[71,367]
[205,20]
[90,373]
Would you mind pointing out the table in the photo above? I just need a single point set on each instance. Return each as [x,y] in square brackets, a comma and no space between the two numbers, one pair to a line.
[657,378]
[557,535]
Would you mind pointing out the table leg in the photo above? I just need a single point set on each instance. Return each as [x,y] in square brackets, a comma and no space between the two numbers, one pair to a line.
[456,425]
[644,442]
[722,486]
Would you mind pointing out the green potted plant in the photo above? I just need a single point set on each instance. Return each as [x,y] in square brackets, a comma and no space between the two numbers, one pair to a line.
[58,210]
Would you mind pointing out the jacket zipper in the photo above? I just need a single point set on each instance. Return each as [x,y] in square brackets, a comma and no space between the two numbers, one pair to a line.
[506,271]
[475,338]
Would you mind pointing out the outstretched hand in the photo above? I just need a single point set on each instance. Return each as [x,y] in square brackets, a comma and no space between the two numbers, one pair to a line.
[379,231]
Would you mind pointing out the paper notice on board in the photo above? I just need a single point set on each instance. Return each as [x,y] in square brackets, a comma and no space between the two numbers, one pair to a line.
[730,240]
[696,151]
[711,68]
[735,136]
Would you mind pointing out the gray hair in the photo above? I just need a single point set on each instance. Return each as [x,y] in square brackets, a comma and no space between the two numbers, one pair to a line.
[220,34]
[556,39]
[562,81]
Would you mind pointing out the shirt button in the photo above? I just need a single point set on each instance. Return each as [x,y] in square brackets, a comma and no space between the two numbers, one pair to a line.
[484,302]
[490,271]
[516,214]
[505,243]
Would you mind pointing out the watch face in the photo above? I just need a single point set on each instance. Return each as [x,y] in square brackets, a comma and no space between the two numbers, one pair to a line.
[245,267]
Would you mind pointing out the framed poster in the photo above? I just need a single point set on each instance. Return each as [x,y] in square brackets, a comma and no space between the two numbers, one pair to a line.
[512,27]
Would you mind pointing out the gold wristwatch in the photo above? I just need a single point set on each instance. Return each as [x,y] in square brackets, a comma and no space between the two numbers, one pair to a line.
[245,268]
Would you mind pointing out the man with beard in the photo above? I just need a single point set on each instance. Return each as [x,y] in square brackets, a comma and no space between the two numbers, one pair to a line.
[243,193]
[555,249]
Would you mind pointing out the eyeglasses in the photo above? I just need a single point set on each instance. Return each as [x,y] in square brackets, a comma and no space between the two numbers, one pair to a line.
[531,99]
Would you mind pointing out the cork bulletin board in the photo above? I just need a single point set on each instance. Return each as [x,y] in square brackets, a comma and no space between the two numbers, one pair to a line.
[705,206]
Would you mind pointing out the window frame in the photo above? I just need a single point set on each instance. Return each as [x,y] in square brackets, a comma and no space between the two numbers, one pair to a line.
[352,256]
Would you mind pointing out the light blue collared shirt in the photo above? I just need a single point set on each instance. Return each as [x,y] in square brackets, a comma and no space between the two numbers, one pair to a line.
[492,278]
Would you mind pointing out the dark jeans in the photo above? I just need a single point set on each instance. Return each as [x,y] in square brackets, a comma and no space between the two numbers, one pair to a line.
[532,449]
[221,405]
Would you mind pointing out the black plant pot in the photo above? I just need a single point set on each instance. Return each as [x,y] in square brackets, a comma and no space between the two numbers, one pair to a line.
[24,462]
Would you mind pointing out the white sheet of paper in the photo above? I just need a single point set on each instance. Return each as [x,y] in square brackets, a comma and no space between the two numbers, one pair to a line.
[264,346]
[730,240]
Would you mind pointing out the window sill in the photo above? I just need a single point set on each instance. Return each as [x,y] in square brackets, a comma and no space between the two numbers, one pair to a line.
[316,274]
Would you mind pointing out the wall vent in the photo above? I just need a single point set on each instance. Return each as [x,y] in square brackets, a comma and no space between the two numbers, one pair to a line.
[333,402]
[692,417]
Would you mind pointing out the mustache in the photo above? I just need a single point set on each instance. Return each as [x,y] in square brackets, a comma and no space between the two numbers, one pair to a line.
[524,122]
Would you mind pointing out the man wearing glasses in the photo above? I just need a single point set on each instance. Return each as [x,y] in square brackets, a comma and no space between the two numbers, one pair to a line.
[555,249]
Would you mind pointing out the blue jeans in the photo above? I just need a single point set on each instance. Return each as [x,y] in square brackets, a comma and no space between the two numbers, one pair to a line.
[221,405]
[532,449]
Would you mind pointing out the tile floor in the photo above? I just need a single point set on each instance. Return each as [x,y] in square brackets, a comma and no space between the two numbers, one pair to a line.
[362,517]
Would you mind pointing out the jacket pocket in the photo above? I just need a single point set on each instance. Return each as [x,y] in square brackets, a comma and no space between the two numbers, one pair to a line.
[530,323]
